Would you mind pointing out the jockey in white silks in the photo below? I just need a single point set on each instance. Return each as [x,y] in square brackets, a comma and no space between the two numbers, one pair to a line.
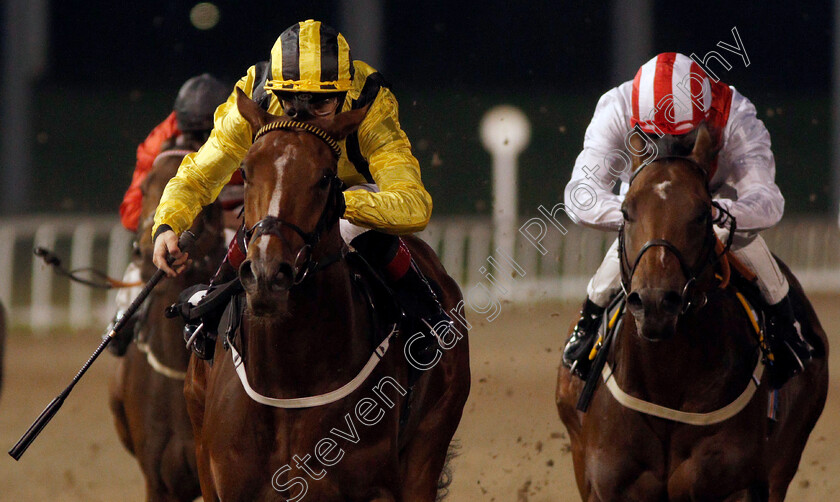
[671,94]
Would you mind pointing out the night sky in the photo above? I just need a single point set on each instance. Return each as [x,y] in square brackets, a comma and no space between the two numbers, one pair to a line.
[490,44]
[114,69]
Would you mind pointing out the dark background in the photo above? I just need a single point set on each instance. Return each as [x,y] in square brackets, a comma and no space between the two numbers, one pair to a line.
[115,67]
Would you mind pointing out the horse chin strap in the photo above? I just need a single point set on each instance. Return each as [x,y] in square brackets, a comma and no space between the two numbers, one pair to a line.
[708,258]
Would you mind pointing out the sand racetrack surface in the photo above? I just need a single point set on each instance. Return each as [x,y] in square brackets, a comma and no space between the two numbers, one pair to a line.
[513,445]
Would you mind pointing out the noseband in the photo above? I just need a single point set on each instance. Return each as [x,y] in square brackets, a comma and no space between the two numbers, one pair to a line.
[707,258]
[272,225]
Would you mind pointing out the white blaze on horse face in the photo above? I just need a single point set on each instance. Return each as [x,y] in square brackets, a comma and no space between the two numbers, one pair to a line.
[274,204]
[661,189]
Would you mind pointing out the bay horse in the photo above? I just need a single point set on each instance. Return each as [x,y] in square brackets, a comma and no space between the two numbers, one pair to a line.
[333,422]
[692,354]
[147,390]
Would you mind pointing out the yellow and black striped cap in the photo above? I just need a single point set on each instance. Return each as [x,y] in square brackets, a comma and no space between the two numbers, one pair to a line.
[310,57]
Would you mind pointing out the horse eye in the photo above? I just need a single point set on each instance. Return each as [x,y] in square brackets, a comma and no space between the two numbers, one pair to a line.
[324,182]
[625,215]
[242,172]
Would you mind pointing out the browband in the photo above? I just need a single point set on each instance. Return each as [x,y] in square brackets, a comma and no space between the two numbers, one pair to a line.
[293,124]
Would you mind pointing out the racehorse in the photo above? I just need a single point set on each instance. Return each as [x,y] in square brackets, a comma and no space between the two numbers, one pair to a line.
[147,391]
[326,426]
[691,353]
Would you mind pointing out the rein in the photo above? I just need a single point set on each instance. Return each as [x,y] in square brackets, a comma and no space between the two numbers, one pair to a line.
[302,268]
[708,258]
[101,279]
[714,252]
[272,225]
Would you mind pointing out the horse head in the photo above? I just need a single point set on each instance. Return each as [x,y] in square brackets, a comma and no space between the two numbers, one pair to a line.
[292,200]
[666,241]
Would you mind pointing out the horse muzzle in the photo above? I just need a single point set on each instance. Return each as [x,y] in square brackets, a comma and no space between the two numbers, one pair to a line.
[267,284]
[655,311]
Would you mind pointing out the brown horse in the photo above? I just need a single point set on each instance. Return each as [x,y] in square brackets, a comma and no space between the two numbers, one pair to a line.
[692,358]
[147,391]
[309,333]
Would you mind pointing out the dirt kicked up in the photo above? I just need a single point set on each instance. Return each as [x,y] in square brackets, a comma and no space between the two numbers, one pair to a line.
[513,446]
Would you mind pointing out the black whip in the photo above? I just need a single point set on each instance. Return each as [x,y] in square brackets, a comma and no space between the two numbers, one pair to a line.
[185,242]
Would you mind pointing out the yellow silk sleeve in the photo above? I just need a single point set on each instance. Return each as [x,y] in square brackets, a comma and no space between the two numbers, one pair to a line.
[203,174]
[402,205]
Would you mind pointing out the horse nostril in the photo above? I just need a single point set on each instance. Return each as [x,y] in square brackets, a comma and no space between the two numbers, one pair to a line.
[246,274]
[634,302]
[284,278]
[671,302]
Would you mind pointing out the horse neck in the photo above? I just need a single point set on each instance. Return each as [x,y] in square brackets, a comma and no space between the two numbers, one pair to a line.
[321,342]
[709,357]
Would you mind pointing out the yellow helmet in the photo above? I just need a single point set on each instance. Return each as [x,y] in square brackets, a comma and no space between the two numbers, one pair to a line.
[310,57]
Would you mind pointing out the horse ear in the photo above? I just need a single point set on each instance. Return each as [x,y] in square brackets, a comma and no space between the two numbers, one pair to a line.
[345,123]
[704,148]
[251,111]
[637,147]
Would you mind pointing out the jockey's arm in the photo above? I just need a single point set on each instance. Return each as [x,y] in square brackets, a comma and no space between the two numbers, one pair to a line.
[147,151]
[749,167]
[204,173]
[402,205]
[588,196]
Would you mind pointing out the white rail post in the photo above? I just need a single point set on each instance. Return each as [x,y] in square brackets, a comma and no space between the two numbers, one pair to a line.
[42,311]
[81,255]
[505,132]
[7,267]
[479,237]
[119,244]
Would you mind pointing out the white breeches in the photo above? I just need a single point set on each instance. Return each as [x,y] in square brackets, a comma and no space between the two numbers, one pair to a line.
[750,249]
[126,295]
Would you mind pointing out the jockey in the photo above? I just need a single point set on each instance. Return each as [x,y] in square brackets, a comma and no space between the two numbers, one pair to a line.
[189,123]
[193,114]
[741,181]
[312,74]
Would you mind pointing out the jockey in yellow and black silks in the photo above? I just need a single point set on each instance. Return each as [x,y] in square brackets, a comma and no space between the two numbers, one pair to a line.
[311,73]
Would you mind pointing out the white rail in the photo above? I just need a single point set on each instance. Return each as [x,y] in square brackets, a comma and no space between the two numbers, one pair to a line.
[39,300]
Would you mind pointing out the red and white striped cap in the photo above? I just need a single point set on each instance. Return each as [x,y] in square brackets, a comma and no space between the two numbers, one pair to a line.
[671,95]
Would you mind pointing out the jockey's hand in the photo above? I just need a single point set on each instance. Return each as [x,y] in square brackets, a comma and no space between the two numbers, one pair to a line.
[166,245]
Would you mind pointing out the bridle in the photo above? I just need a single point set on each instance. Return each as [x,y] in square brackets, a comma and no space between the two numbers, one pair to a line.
[708,257]
[303,265]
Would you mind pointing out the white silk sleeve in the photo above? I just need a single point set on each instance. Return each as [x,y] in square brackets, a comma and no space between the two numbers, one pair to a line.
[602,163]
[747,165]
